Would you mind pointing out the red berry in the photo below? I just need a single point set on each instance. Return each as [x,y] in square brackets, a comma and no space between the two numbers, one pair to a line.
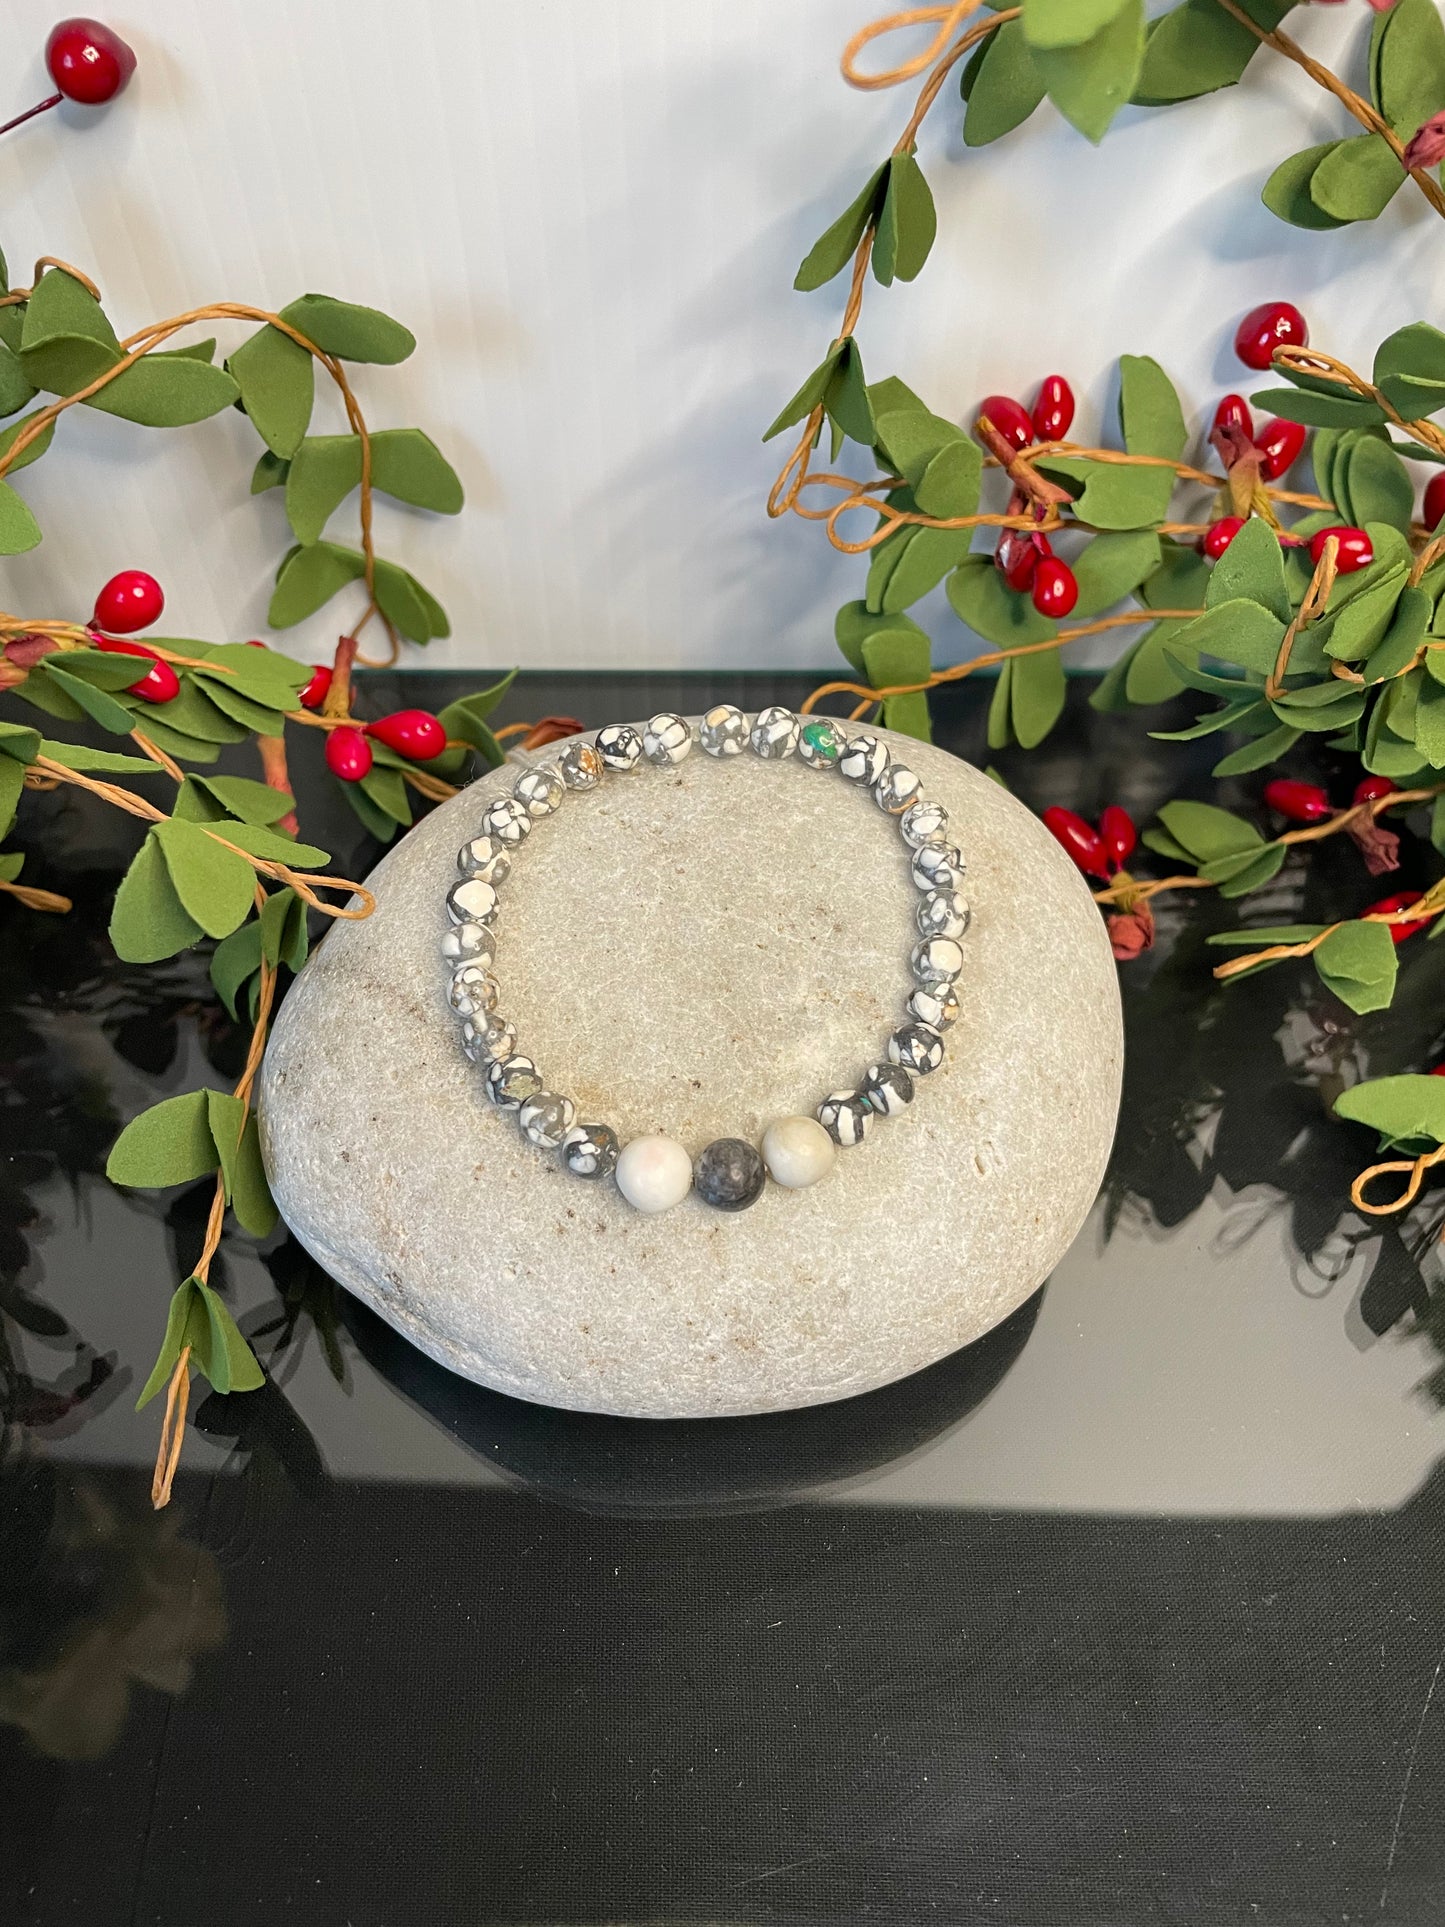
[1009,418]
[1401,900]
[160,684]
[1082,841]
[87,61]
[1219,535]
[1233,412]
[1275,324]
[1296,801]
[348,754]
[1369,788]
[129,601]
[1116,827]
[1055,589]
[1280,444]
[1355,550]
[315,692]
[1053,411]
[413,733]
[1435,500]
[1016,558]
[1439,1071]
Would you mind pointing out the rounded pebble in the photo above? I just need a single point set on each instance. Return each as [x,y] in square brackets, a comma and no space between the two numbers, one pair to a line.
[590,1150]
[511,1081]
[473,990]
[619,746]
[937,1006]
[654,1173]
[724,731]
[820,743]
[666,739]
[506,820]
[580,766]
[775,734]
[729,1174]
[936,960]
[471,901]
[488,1036]
[797,1152]
[938,866]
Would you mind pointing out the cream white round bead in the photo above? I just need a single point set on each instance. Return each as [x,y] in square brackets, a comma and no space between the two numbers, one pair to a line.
[471,901]
[845,1117]
[936,960]
[666,739]
[580,766]
[486,858]
[936,1006]
[865,759]
[539,791]
[619,746]
[923,822]
[506,821]
[654,1173]
[896,788]
[944,913]
[775,734]
[473,990]
[798,1152]
[723,731]
[938,866]
[469,943]
[545,1119]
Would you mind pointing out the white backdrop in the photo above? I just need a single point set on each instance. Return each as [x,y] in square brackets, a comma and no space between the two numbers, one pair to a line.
[590,212]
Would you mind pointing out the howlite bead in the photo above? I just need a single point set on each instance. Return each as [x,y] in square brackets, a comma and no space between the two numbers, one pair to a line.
[729,1174]
[937,1006]
[887,1089]
[470,943]
[619,746]
[590,1150]
[473,990]
[923,822]
[506,820]
[775,734]
[471,901]
[916,1048]
[896,788]
[865,759]
[844,1116]
[936,960]
[724,731]
[511,1081]
[539,791]
[666,739]
[938,866]
[545,1119]
[797,1151]
[484,857]
[580,766]
[820,743]
[944,913]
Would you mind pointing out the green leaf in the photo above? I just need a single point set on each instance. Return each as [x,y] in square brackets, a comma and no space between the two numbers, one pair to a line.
[161,392]
[308,578]
[1380,487]
[171,1143]
[1252,568]
[925,558]
[1207,832]
[1410,368]
[911,438]
[12,781]
[1006,87]
[1408,64]
[1358,179]
[23,744]
[1234,715]
[1361,623]
[240,796]
[1398,645]
[349,332]
[1111,567]
[949,486]
[186,1324]
[227,1361]
[1112,496]
[1405,1110]
[1245,877]
[1430,723]
[1036,697]
[847,398]
[215,886]
[1274,933]
[1358,963]
[1287,191]
[402,602]
[19,529]
[1319,411]
[1197,48]
[1090,83]
[236,959]
[832,251]
[16,387]
[1238,631]
[277,380]
[100,708]
[1258,754]
[226,1118]
[907,223]
[808,397]
[65,340]
[251,1198]
[1000,725]
[32,451]
[1150,418]
[1067,23]
[893,656]
[984,602]
[408,466]
[855,623]
[100,668]
[274,846]
[386,789]
[270,472]
[148,921]
[323,472]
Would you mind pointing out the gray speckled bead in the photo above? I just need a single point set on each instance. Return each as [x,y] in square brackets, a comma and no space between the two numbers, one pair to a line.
[938,866]
[489,1036]
[473,990]
[545,1119]
[936,960]
[844,1116]
[775,735]
[923,822]
[506,821]
[865,759]
[471,901]
[590,1150]
[729,1174]
[896,789]
[484,857]
[820,743]
[724,731]
[666,739]
[539,791]
[619,746]
[944,913]
[887,1089]
[580,766]
[511,1081]
[470,943]
[916,1048]
[937,1006]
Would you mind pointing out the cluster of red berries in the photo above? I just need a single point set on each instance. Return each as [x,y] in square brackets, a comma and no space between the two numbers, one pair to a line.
[413,733]
[1025,558]
[1300,802]
[1100,852]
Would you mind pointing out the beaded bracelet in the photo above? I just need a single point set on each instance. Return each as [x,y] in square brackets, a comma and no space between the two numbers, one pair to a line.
[655,1172]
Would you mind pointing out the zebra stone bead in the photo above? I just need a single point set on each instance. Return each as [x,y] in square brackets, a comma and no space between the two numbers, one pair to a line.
[470,943]
[775,734]
[844,1116]
[864,760]
[619,746]
[916,1048]
[937,1006]
[511,1081]
[487,1036]
[580,766]
[820,743]
[484,857]
[938,866]
[936,960]
[944,913]
[473,990]
[724,731]
[545,1119]
[539,791]
[506,821]
[666,739]
[471,901]
[923,822]
[887,1089]
[590,1150]
[896,788]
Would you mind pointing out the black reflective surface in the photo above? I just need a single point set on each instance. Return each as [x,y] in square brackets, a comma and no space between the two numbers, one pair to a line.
[1131,1614]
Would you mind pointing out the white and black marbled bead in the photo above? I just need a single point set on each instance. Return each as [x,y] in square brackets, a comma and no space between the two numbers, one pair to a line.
[865,759]
[580,766]
[666,739]
[923,822]
[511,1081]
[539,791]
[897,788]
[488,1036]
[820,742]
[936,1006]
[775,734]
[470,943]
[473,990]
[486,858]
[590,1150]
[887,1089]
[936,960]
[723,731]
[471,901]
[505,820]
[619,746]
[844,1116]
[917,1048]
[545,1119]
[938,866]
[944,913]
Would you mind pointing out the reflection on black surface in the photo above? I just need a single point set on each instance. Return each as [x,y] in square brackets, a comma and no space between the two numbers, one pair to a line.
[656,1467]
